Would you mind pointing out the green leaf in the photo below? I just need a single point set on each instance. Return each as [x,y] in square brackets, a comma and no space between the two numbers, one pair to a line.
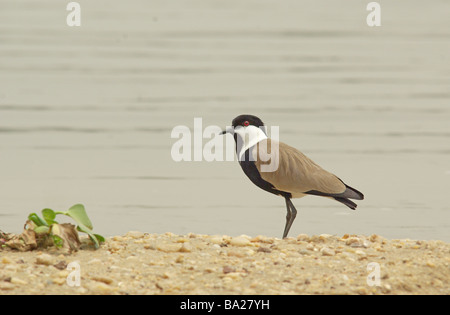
[49,216]
[37,220]
[78,213]
[88,231]
[58,241]
[100,238]
[42,229]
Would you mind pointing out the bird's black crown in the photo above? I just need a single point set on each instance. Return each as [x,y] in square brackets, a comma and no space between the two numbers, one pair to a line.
[246,120]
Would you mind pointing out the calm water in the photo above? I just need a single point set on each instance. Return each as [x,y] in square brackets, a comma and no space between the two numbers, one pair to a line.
[86,112]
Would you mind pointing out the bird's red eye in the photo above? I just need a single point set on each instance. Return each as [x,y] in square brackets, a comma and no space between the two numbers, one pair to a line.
[246,123]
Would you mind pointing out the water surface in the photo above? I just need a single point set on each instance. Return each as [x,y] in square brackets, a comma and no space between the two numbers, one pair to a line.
[86,112]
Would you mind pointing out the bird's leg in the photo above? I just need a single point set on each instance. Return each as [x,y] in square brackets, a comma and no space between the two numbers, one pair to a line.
[290,216]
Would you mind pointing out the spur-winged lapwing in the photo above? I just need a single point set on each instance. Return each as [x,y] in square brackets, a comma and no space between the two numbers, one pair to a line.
[294,174]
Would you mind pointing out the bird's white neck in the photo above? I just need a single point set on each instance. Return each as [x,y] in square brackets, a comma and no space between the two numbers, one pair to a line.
[247,137]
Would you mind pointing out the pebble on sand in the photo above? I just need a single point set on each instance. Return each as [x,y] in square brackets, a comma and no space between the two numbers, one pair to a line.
[143,263]
[45,259]
[240,241]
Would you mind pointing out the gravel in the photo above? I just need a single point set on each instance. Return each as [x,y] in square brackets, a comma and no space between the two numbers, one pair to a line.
[142,263]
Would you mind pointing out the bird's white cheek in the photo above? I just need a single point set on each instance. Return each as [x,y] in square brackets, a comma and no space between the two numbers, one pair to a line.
[250,133]
[244,136]
[239,130]
[248,137]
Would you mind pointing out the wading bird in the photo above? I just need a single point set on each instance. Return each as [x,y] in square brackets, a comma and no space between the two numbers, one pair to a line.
[294,174]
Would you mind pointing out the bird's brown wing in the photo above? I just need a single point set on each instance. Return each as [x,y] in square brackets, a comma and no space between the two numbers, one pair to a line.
[296,173]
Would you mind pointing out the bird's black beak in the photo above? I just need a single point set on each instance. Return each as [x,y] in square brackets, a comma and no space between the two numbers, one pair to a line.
[229,130]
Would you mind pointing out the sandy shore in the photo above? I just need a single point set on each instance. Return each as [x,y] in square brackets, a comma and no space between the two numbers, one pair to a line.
[141,263]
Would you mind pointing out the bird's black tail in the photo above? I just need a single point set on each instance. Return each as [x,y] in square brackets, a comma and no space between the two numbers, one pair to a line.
[346,202]
[352,193]
[349,193]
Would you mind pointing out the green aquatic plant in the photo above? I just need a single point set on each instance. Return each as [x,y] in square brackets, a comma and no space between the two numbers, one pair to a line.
[64,235]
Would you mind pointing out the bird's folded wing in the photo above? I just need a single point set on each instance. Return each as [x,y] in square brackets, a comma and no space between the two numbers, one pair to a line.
[292,171]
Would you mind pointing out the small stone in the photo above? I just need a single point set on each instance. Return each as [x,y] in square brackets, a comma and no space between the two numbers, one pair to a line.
[310,247]
[240,241]
[61,265]
[185,248]
[6,286]
[44,259]
[303,252]
[325,237]
[303,237]
[227,280]
[18,281]
[362,290]
[249,252]
[59,280]
[356,242]
[216,240]
[132,258]
[7,261]
[114,247]
[351,240]
[119,238]
[150,246]
[346,236]
[135,234]
[430,264]
[361,254]
[102,279]
[316,239]
[262,239]
[168,248]
[236,253]
[94,261]
[159,286]
[12,267]
[62,274]
[179,259]
[102,288]
[264,250]
[228,269]
[326,251]
[234,275]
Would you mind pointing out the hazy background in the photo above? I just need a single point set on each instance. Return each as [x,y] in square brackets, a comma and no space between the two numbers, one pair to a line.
[86,112]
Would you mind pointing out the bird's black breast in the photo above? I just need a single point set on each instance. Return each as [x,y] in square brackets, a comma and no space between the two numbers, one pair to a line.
[250,169]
